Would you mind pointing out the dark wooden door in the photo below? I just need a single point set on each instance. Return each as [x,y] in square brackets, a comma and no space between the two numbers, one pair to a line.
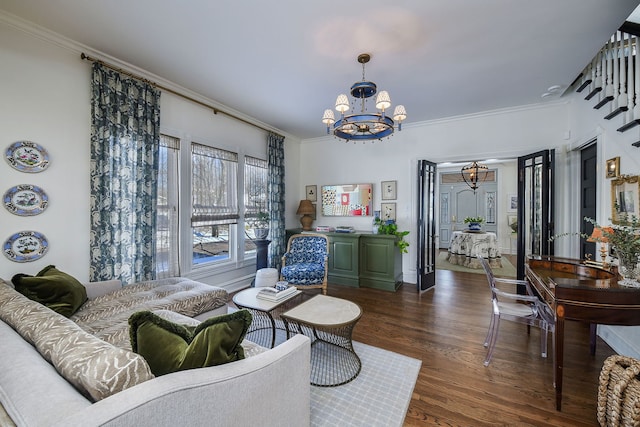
[535,206]
[588,191]
[426,263]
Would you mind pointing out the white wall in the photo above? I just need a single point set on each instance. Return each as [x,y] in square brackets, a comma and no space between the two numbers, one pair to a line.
[498,134]
[587,123]
[45,93]
[46,88]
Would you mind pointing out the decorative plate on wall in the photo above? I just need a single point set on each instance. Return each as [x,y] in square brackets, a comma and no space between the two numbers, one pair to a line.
[25,200]
[27,156]
[25,246]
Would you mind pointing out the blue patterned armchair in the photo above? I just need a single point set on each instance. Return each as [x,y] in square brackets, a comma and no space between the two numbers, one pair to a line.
[305,264]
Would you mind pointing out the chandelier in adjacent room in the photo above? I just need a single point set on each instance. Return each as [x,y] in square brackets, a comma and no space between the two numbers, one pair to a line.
[364,125]
[473,174]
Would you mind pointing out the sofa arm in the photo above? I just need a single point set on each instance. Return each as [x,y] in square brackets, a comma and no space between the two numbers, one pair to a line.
[269,389]
[96,289]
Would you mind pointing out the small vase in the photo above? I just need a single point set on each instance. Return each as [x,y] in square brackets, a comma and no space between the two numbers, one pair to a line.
[629,270]
[475,226]
[261,233]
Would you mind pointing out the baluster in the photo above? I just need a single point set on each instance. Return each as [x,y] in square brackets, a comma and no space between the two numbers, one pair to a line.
[636,108]
[597,76]
[609,84]
[630,84]
[634,119]
[619,78]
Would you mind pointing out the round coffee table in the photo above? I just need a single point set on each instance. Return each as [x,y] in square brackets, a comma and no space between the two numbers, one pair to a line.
[266,315]
[329,322]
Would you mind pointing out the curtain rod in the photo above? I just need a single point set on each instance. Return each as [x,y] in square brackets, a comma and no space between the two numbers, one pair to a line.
[182,95]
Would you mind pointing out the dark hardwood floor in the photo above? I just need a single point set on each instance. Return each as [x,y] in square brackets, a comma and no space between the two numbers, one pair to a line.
[445,328]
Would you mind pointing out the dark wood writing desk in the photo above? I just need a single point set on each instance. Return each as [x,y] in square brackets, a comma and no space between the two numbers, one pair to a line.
[575,291]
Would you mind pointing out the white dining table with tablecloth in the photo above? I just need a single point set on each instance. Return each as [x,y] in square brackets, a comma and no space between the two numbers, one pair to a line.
[466,245]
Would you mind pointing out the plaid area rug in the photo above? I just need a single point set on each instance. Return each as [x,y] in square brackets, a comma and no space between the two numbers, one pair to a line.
[379,396]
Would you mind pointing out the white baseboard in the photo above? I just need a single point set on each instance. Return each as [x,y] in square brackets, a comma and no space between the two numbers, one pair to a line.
[620,339]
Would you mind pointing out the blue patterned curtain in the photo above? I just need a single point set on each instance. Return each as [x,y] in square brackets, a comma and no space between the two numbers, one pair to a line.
[276,198]
[125,138]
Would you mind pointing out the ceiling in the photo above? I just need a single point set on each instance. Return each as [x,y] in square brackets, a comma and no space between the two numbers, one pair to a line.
[284,62]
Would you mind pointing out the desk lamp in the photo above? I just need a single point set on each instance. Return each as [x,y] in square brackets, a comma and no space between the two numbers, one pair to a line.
[599,235]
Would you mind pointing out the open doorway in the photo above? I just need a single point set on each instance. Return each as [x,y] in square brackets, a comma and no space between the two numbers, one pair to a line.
[492,201]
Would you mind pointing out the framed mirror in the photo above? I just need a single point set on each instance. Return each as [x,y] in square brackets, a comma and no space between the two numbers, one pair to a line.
[347,200]
[625,201]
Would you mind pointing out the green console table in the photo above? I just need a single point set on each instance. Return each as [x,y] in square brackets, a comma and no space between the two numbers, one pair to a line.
[362,260]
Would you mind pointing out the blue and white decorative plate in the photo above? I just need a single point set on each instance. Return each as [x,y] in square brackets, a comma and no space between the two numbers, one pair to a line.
[25,200]
[27,156]
[25,246]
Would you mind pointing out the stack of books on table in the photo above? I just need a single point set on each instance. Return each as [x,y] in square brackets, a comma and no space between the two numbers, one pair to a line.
[276,293]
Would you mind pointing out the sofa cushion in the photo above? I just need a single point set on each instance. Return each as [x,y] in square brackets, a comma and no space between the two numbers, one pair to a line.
[95,367]
[106,316]
[57,290]
[170,347]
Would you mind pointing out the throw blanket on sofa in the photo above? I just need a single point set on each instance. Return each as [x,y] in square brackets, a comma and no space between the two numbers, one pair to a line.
[107,316]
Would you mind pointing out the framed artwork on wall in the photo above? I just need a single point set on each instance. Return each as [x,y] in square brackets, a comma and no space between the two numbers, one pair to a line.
[312,192]
[388,211]
[389,189]
[613,167]
[512,203]
[625,198]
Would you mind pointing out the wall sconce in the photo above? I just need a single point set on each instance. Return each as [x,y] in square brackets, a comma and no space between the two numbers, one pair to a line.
[613,167]
[306,209]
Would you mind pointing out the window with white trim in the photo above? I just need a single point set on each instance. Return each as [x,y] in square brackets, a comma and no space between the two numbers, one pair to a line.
[255,199]
[167,243]
[214,205]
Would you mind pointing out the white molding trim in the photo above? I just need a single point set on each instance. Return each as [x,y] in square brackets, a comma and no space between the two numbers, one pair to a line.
[617,342]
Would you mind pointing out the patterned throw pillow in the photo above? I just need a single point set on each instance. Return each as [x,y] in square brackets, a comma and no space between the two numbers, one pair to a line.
[96,368]
[169,347]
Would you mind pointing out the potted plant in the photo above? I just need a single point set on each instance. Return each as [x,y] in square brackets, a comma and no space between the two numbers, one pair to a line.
[390,227]
[475,223]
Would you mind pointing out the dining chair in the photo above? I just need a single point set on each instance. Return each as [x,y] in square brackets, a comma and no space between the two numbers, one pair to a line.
[522,308]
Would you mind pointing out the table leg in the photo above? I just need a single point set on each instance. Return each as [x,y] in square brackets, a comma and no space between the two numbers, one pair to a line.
[559,355]
[593,327]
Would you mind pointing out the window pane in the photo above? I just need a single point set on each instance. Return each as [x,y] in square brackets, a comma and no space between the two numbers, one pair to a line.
[255,199]
[167,247]
[214,186]
[210,243]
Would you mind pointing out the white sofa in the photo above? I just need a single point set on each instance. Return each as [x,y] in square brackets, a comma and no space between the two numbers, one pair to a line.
[270,388]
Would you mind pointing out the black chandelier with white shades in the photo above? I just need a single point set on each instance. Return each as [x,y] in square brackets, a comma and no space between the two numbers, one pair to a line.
[364,125]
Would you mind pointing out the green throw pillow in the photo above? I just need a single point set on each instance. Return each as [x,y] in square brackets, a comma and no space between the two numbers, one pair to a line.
[52,288]
[169,347]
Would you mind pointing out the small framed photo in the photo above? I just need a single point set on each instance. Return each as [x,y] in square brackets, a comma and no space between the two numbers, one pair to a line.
[613,167]
[512,203]
[389,190]
[388,211]
[312,192]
